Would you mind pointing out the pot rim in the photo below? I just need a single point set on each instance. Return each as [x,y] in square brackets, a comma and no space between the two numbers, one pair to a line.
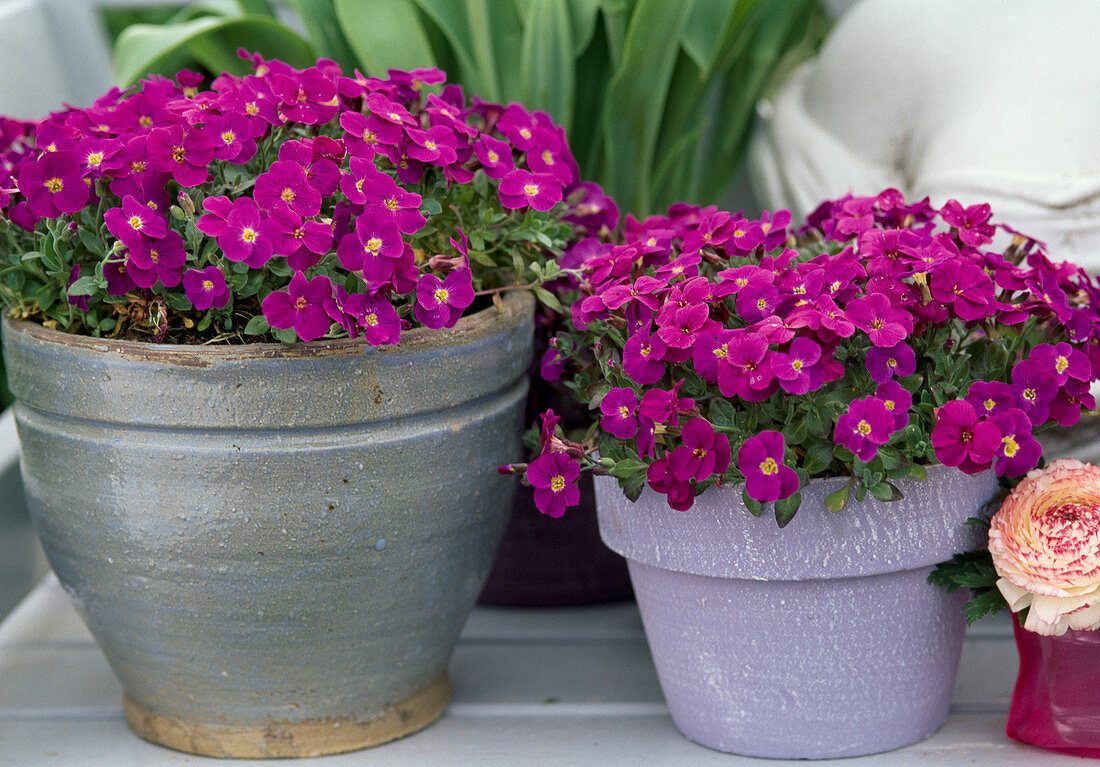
[517,304]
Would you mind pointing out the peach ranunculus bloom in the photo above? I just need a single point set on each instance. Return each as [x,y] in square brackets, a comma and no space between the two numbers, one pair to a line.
[1045,542]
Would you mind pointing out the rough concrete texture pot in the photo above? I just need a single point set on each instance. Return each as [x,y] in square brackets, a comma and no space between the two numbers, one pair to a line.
[275,547]
[819,640]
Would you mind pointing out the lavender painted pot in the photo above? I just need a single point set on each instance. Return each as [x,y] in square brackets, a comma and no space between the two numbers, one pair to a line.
[819,640]
[275,547]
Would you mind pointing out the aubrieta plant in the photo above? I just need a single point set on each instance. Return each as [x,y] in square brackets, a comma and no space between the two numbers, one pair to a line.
[879,339]
[286,204]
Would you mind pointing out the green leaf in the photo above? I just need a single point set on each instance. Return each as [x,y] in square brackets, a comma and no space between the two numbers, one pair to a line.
[546,59]
[754,506]
[634,486]
[583,15]
[319,19]
[917,471]
[256,326]
[837,500]
[257,7]
[818,457]
[549,299]
[884,491]
[785,509]
[385,34]
[722,414]
[145,48]
[286,336]
[635,100]
[85,286]
[628,467]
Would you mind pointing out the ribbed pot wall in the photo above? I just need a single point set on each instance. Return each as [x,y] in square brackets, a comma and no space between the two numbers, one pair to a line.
[820,640]
[275,547]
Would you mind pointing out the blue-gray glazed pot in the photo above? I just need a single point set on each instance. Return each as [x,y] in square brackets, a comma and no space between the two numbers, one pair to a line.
[820,640]
[276,547]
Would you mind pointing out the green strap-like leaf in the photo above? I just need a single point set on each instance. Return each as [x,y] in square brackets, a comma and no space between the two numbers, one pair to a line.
[319,19]
[145,48]
[257,7]
[546,59]
[636,99]
[583,15]
[385,34]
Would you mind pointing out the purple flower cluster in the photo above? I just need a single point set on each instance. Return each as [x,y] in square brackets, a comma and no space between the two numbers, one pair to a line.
[307,174]
[838,345]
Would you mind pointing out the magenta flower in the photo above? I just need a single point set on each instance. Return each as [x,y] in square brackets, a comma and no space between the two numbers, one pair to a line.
[679,493]
[154,260]
[797,369]
[286,181]
[885,363]
[1063,362]
[435,146]
[1035,389]
[206,288]
[495,156]
[318,158]
[960,439]
[186,154]
[709,352]
[702,453]
[972,222]
[231,135]
[680,329]
[521,188]
[747,371]
[1019,451]
[553,475]
[301,242]
[1066,407]
[373,250]
[365,133]
[884,324]
[384,196]
[664,407]
[53,184]
[760,460]
[301,306]
[897,400]
[866,426]
[990,397]
[374,314]
[619,407]
[439,303]
[643,353]
[964,286]
[309,97]
[134,221]
[248,236]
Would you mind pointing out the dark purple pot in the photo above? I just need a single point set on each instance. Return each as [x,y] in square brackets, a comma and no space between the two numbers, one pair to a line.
[545,562]
[820,640]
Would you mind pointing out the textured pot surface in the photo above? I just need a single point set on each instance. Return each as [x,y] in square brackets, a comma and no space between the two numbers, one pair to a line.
[820,640]
[275,547]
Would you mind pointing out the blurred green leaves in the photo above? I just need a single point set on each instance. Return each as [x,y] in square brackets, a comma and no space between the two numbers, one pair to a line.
[657,96]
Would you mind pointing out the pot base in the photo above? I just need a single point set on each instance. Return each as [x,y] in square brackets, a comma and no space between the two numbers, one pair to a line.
[292,739]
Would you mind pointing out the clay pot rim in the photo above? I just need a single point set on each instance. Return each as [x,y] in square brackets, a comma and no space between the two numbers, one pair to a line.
[487,322]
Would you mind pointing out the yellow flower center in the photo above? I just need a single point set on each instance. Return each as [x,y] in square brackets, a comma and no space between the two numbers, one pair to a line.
[1061,364]
[288,194]
[54,184]
[888,404]
[644,351]
[300,304]
[135,223]
[369,137]
[891,363]
[178,153]
[493,157]
[1030,395]
[371,319]
[137,166]
[252,108]
[721,352]
[145,121]
[391,203]
[441,295]
[624,411]
[547,157]
[229,137]
[700,453]
[248,235]
[769,466]
[207,285]
[863,428]
[1011,446]
[797,365]
[525,132]
[557,483]
[429,144]
[374,244]
[153,255]
[531,189]
[94,159]
[989,404]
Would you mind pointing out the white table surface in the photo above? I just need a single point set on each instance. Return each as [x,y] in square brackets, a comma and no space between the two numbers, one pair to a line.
[558,687]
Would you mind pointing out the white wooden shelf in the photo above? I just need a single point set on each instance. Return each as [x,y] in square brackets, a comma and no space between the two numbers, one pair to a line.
[531,687]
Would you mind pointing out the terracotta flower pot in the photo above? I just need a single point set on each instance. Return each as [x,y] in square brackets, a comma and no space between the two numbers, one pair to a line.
[275,547]
[1056,703]
[820,640]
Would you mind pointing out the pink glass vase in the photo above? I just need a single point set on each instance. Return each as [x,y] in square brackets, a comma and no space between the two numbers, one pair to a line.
[1056,702]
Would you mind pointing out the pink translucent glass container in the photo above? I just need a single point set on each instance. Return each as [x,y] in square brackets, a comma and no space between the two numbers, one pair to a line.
[1056,702]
